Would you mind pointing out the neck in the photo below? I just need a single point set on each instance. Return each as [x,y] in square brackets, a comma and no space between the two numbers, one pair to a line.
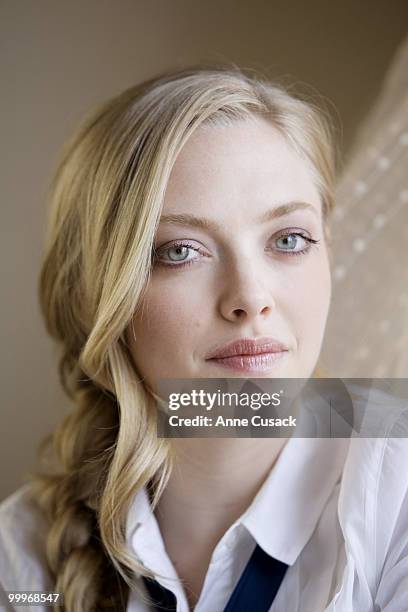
[213,482]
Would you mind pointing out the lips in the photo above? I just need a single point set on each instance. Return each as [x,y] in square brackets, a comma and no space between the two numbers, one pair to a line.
[249,355]
[248,346]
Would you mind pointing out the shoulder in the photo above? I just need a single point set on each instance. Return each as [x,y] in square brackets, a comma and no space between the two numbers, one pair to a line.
[373,508]
[375,466]
[379,445]
[23,531]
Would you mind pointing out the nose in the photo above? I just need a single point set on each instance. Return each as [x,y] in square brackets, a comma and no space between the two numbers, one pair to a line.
[246,296]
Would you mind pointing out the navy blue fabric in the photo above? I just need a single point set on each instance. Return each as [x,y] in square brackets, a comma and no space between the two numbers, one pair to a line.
[258,584]
[256,589]
[162,597]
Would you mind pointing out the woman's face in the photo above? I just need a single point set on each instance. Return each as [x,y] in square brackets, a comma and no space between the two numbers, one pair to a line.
[234,263]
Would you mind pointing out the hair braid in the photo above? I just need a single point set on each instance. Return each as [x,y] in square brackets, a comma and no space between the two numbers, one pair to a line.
[106,203]
[70,500]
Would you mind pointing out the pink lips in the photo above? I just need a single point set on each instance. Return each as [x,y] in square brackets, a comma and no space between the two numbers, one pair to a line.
[249,355]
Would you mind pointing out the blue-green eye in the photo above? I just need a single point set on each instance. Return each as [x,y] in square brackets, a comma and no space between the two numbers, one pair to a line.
[288,242]
[178,253]
[294,243]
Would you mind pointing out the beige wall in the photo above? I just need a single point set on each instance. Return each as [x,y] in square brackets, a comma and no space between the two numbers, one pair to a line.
[58,59]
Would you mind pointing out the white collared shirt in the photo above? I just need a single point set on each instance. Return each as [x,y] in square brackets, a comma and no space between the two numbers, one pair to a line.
[294,512]
[336,511]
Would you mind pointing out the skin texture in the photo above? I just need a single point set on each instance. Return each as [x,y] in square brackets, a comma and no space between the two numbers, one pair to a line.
[242,283]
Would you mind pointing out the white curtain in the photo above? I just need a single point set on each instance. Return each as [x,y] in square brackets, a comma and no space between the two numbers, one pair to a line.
[367,331]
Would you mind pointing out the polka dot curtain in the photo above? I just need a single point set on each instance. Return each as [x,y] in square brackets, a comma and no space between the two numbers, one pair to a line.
[367,331]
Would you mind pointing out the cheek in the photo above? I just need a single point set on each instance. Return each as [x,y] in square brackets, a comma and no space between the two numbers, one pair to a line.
[164,323]
[313,304]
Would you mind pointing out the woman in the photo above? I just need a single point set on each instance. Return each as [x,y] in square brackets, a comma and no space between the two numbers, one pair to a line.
[189,238]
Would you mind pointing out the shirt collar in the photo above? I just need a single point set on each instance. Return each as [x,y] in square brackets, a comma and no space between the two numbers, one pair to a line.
[286,509]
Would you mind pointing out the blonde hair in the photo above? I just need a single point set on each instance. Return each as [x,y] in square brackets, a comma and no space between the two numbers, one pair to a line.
[106,201]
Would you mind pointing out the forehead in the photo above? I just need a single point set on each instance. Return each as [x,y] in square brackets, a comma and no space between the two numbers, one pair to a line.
[229,171]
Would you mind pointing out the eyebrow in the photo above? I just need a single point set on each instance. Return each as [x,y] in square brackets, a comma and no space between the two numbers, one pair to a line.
[269,215]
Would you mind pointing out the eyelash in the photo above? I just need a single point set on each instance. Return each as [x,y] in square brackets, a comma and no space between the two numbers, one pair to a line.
[183,243]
